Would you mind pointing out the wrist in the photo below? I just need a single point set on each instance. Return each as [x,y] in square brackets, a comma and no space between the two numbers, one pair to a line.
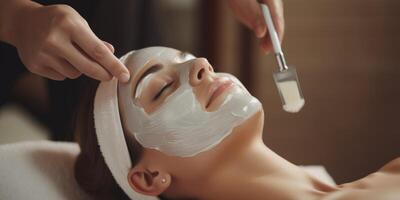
[13,16]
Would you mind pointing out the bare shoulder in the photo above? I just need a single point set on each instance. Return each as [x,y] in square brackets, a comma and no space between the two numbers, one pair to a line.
[363,195]
[383,185]
[392,167]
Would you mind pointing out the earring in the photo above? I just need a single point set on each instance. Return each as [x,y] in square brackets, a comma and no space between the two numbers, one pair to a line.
[163,180]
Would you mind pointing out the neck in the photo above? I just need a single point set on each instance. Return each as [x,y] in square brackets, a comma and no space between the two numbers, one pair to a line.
[246,177]
[255,172]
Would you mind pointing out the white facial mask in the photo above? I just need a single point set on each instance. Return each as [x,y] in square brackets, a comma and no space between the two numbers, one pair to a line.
[180,127]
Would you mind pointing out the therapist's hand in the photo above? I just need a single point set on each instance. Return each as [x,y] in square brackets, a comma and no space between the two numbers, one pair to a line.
[57,43]
[249,13]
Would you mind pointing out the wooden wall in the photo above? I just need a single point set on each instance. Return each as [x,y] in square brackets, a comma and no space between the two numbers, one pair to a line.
[347,54]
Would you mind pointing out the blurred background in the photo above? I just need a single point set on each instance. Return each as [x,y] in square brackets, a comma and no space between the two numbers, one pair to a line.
[346,54]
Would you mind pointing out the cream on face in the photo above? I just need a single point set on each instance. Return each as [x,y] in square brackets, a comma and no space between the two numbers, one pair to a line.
[180,126]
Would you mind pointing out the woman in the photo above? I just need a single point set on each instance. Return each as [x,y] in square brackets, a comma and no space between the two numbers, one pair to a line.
[192,133]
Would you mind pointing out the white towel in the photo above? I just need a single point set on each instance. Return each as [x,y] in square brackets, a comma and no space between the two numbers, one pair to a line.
[39,170]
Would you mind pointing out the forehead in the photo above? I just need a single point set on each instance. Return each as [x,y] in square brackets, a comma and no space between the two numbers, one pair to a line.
[135,61]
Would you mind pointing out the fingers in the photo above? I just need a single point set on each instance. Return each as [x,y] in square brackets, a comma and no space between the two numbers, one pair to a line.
[53,74]
[276,10]
[100,53]
[109,46]
[266,44]
[84,64]
[63,67]
[50,73]
[250,14]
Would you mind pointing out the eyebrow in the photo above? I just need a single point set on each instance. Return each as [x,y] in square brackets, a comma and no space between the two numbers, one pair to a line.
[155,68]
[150,70]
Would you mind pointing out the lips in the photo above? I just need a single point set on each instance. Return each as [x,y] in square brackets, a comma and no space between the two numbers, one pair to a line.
[217,88]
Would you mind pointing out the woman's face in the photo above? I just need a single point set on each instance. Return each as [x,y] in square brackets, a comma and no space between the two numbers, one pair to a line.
[183,112]
[155,78]
[177,104]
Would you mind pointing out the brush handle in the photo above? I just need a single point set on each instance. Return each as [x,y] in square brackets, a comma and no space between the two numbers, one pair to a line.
[281,61]
[271,29]
[274,38]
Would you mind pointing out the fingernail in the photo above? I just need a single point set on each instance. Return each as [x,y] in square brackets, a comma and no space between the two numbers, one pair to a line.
[259,31]
[112,48]
[124,77]
[109,46]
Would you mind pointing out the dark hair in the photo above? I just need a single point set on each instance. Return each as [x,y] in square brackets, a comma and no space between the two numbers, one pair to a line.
[91,171]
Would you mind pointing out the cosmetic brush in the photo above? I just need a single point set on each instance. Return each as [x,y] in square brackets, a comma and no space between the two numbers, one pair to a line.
[286,78]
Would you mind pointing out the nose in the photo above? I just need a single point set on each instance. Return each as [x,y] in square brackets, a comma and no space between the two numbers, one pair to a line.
[200,70]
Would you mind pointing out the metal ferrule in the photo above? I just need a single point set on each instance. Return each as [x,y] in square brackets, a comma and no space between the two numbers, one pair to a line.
[281,61]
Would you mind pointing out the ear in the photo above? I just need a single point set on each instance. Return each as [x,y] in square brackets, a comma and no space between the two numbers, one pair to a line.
[149,181]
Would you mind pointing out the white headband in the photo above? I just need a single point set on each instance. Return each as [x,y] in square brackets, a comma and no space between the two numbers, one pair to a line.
[111,137]
[180,141]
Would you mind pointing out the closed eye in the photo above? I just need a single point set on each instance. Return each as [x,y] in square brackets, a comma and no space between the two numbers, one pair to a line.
[162,90]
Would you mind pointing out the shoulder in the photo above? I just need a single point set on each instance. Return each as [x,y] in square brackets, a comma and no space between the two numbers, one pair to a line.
[392,167]
[382,185]
[356,194]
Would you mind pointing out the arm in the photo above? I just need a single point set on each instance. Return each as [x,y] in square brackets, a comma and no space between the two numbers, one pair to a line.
[56,42]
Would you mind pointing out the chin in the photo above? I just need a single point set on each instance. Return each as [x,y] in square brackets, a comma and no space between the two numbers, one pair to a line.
[244,136]
[251,127]
[256,120]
